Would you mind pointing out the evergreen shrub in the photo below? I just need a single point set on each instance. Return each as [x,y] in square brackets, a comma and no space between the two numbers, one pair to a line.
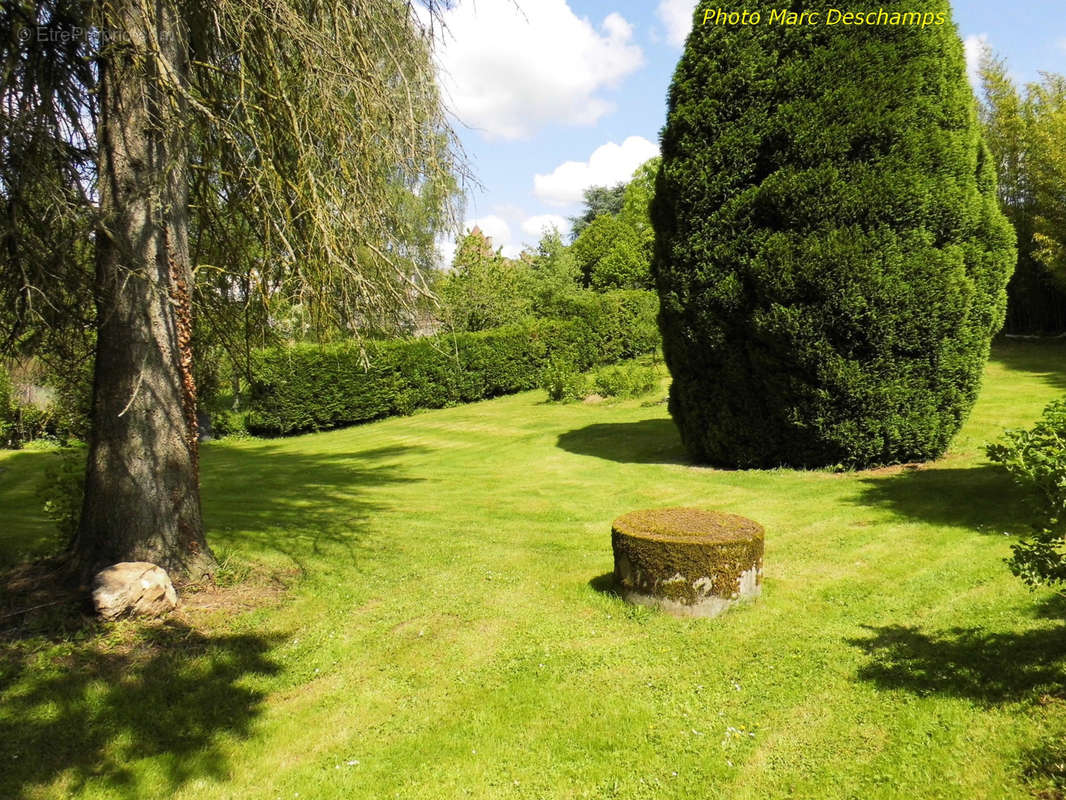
[830,257]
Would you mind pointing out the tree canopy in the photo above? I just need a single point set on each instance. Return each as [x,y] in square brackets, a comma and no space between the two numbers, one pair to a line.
[1025,131]
[614,250]
[598,200]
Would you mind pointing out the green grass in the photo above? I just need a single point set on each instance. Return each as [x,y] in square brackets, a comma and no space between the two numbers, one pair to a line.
[452,634]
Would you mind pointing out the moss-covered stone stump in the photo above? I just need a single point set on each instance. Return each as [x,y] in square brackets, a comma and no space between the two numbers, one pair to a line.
[687,561]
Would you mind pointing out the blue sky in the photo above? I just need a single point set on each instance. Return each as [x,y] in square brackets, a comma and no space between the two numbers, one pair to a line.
[561,94]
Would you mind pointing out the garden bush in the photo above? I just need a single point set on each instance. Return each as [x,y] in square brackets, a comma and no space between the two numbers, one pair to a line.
[566,384]
[626,380]
[312,387]
[1036,458]
[830,257]
[563,382]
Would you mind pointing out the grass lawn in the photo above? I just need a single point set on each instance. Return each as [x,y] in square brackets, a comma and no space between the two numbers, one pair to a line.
[449,630]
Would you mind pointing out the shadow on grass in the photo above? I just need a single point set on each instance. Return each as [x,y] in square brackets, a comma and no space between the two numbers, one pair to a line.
[650,441]
[265,497]
[1034,358]
[983,498]
[269,498]
[173,695]
[605,584]
[983,666]
[977,664]
[1051,607]
[1044,768]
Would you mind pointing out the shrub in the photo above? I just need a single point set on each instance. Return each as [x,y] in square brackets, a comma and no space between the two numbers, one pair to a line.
[829,254]
[627,380]
[1036,458]
[563,383]
[227,422]
[313,387]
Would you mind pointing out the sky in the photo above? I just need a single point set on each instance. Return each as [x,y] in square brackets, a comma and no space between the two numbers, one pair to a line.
[555,96]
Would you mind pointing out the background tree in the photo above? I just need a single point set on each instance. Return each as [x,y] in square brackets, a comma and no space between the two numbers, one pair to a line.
[598,200]
[601,239]
[1023,133]
[830,257]
[556,279]
[484,289]
[279,135]
[1047,111]
[614,250]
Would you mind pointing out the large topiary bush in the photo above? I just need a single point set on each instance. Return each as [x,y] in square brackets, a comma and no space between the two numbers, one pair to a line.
[830,257]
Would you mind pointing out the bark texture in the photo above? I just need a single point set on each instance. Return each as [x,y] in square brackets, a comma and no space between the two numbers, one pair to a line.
[142,498]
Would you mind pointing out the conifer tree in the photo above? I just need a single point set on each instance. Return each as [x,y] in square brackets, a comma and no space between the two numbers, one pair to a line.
[830,256]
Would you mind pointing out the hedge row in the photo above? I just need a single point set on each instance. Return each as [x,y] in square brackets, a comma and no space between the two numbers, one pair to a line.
[314,387]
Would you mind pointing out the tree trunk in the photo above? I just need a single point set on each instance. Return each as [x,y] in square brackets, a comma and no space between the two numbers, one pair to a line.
[142,497]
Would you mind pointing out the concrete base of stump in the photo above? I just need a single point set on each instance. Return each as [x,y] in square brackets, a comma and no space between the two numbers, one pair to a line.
[687,561]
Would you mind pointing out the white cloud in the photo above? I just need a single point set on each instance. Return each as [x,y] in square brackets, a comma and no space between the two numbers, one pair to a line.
[1062,44]
[608,165]
[676,16]
[508,71]
[538,225]
[975,44]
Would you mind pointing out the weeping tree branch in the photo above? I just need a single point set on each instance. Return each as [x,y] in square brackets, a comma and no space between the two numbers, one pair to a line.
[322,162]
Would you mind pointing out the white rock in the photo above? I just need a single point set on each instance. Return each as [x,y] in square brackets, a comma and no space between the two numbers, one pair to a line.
[133,588]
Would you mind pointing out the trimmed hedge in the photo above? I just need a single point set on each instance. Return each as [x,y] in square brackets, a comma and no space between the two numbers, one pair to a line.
[830,254]
[314,387]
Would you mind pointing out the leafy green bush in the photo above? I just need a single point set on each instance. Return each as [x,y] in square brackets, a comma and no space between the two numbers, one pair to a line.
[829,252]
[313,387]
[563,383]
[227,422]
[1036,458]
[627,380]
